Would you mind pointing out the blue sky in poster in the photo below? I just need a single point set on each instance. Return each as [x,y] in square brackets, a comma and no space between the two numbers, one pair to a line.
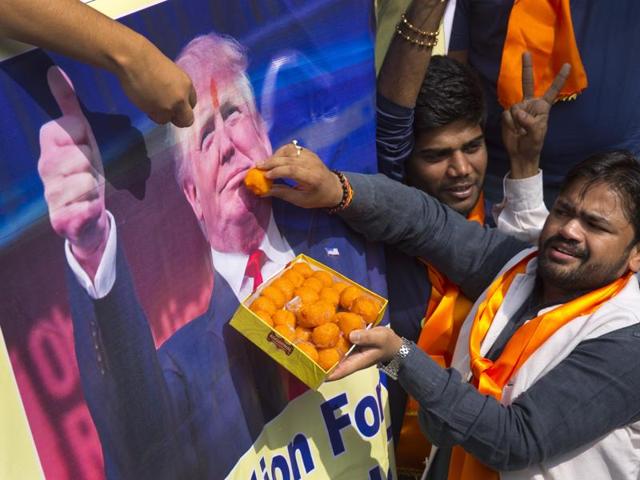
[300,53]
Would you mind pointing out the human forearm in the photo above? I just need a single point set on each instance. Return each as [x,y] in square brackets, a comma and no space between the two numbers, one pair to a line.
[152,81]
[405,63]
[387,211]
[587,395]
[452,412]
[420,226]
[61,26]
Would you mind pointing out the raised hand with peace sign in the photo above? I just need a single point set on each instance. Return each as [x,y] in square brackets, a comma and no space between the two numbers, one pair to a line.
[524,125]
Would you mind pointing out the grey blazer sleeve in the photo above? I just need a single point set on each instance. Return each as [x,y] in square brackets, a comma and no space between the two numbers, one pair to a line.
[593,391]
[384,210]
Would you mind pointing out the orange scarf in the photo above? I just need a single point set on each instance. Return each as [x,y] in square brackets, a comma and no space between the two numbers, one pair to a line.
[490,377]
[445,314]
[544,28]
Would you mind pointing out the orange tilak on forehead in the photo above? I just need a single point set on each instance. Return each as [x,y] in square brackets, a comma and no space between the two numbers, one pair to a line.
[213,89]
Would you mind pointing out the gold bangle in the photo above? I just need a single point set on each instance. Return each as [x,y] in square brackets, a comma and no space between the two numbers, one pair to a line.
[429,43]
[415,29]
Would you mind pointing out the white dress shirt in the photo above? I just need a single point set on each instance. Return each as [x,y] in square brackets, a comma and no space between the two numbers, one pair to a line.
[106,273]
[522,212]
[232,266]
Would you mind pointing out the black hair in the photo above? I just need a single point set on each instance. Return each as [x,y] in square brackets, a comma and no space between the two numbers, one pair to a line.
[618,169]
[450,91]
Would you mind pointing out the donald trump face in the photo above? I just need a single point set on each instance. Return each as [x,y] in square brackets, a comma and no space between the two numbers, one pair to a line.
[226,139]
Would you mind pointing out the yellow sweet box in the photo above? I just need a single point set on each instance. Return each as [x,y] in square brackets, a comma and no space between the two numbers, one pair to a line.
[306,327]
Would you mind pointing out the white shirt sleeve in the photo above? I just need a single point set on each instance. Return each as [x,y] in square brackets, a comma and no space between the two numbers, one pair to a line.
[522,212]
[106,273]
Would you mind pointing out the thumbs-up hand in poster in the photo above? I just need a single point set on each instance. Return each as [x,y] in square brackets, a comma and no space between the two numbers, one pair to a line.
[70,167]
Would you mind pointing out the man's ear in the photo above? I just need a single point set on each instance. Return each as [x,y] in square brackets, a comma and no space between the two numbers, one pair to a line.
[191,193]
[634,258]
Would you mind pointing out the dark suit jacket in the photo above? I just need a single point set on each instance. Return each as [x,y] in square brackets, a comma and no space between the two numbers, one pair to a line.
[191,409]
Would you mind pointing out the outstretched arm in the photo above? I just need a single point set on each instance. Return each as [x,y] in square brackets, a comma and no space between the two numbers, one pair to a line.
[122,380]
[151,80]
[591,392]
[387,211]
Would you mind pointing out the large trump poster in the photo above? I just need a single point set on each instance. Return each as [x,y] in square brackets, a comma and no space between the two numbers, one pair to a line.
[125,246]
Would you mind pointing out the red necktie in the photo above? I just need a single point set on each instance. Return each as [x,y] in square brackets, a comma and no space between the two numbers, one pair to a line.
[254,264]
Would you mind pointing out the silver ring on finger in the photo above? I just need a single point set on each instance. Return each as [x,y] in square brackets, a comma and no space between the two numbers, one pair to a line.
[298,147]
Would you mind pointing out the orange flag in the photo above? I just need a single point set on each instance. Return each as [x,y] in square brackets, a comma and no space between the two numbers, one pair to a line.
[544,28]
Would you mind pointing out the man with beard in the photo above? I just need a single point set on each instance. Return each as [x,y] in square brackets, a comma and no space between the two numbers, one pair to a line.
[544,382]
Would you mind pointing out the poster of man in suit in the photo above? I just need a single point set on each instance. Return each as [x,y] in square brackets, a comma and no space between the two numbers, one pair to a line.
[158,232]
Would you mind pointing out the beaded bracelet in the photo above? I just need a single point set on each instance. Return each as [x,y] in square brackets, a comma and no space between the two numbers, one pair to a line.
[431,42]
[347,194]
[404,20]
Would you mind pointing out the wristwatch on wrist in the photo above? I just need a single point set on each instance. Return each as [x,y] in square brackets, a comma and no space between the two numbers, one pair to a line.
[392,367]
